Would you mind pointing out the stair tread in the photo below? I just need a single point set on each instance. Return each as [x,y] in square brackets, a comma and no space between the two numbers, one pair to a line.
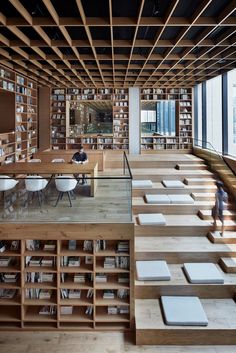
[180,244]
[221,314]
[178,278]
[139,200]
[216,237]
[180,220]
[229,261]
[225,212]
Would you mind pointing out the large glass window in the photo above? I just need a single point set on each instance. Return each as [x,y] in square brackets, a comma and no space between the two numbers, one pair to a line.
[214,112]
[199,111]
[232,112]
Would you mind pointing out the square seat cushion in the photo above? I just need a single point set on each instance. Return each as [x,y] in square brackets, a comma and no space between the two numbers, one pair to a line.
[173,184]
[181,199]
[183,311]
[142,184]
[151,219]
[161,199]
[203,273]
[152,271]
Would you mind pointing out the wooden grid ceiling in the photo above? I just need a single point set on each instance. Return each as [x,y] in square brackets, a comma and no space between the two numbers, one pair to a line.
[118,43]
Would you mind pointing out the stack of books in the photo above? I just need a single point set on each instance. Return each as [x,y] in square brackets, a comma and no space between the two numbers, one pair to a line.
[45,294]
[123,278]
[112,310]
[123,309]
[74,294]
[46,277]
[122,293]
[5,261]
[9,277]
[73,261]
[101,277]
[122,262]
[123,246]
[66,310]
[79,278]
[35,261]
[49,247]
[47,261]
[108,294]
[7,293]
[109,262]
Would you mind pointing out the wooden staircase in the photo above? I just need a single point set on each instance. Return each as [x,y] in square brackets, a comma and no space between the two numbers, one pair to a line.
[188,236]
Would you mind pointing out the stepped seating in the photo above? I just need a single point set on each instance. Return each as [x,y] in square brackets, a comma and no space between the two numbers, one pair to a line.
[152,330]
[140,206]
[228,238]
[191,166]
[228,264]
[160,174]
[177,249]
[178,225]
[179,285]
[203,196]
[206,215]
[199,181]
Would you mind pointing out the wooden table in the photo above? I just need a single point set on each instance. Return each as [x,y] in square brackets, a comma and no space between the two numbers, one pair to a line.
[43,168]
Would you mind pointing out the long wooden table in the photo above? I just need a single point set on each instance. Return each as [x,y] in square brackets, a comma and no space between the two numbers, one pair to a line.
[43,168]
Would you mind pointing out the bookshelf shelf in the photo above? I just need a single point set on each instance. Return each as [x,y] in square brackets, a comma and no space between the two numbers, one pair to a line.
[79,295]
[183,104]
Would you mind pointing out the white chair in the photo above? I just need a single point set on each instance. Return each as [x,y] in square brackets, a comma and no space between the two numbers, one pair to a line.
[35,160]
[6,183]
[58,160]
[65,184]
[35,184]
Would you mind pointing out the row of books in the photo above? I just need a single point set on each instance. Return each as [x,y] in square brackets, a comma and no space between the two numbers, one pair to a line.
[39,277]
[77,277]
[7,293]
[38,293]
[112,294]
[36,261]
[120,309]
[9,277]
[116,262]
[103,277]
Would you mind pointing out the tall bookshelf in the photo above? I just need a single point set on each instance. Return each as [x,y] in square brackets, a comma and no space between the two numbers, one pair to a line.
[183,103]
[70,280]
[58,118]
[18,129]
[117,140]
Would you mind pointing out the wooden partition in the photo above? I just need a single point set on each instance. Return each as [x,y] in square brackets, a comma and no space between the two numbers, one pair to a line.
[93,156]
[80,277]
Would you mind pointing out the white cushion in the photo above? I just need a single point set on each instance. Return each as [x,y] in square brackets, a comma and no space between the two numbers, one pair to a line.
[7,183]
[151,219]
[173,184]
[65,183]
[35,183]
[163,199]
[203,273]
[183,311]
[181,199]
[152,271]
[142,184]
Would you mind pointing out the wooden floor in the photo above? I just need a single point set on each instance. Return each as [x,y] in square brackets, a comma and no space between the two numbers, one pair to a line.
[64,342]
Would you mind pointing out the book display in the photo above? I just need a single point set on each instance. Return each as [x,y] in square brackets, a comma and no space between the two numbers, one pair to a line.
[117,139]
[19,94]
[78,283]
[171,104]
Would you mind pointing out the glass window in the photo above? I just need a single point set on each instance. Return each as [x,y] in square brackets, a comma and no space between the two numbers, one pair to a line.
[199,117]
[214,112]
[232,112]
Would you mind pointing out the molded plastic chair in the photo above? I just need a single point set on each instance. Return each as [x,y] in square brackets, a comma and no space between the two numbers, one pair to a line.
[6,183]
[65,184]
[35,160]
[58,160]
[35,184]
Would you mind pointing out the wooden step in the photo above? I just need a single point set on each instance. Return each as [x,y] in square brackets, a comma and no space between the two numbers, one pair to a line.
[229,237]
[228,264]
[151,329]
[206,215]
[191,166]
[199,181]
[185,225]
[159,188]
[179,285]
[140,206]
[172,173]
[202,196]
[180,249]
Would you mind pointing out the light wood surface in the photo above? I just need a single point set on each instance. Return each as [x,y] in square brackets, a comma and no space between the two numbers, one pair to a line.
[151,329]
[54,168]
[93,156]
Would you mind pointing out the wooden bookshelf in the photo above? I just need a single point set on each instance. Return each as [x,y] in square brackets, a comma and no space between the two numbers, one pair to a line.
[117,140]
[73,279]
[18,98]
[183,138]
[58,118]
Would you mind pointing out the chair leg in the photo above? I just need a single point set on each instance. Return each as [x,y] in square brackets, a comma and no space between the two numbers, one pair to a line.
[68,194]
[59,197]
[39,198]
[72,193]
